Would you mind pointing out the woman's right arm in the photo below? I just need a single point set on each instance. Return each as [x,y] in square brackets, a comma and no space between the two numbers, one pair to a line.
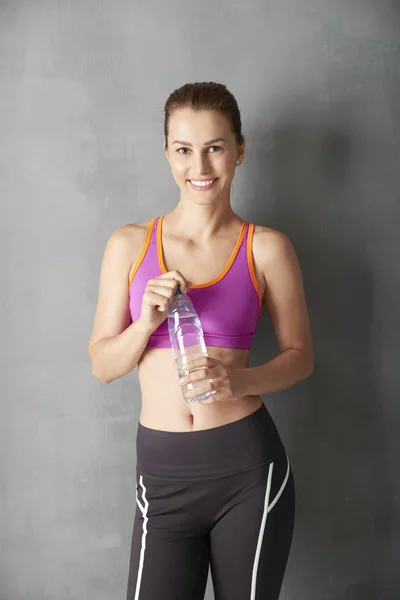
[115,346]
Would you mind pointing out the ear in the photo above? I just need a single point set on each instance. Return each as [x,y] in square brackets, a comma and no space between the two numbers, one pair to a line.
[166,151]
[242,150]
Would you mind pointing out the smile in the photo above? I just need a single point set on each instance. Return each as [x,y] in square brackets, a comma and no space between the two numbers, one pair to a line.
[202,185]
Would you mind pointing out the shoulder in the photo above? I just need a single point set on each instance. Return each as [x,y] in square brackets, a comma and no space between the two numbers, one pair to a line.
[129,235]
[271,248]
[127,241]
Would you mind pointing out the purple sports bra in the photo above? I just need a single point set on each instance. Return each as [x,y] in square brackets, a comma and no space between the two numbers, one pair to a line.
[228,306]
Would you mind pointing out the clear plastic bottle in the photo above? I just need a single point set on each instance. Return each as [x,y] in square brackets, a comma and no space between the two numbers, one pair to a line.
[187,341]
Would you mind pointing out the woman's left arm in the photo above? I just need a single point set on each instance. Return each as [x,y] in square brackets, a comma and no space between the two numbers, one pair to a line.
[286,303]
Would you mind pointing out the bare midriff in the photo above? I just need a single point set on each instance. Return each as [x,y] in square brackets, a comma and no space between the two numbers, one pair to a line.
[163,405]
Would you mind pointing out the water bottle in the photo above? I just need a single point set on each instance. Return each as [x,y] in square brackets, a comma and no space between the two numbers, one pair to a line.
[187,341]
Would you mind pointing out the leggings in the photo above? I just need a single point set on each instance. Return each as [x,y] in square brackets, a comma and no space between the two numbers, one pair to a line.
[221,499]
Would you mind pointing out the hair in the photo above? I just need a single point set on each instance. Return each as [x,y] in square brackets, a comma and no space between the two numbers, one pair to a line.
[204,96]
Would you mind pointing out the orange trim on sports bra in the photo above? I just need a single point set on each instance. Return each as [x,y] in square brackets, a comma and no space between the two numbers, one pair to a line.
[216,279]
[250,262]
[146,243]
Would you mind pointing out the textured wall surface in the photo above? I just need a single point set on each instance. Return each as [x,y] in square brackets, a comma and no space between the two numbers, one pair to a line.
[82,88]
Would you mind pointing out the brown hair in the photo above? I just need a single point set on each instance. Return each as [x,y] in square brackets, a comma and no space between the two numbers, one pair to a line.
[205,96]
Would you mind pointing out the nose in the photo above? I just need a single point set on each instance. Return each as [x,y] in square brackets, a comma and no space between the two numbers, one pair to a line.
[201,164]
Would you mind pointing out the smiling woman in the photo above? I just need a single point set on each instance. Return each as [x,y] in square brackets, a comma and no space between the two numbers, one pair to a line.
[198,165]
[214,483]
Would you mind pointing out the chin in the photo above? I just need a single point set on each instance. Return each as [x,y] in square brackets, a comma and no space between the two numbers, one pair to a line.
[202,201]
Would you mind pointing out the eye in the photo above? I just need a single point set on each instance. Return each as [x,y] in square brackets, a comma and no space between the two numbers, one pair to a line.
[215,149]
[184,153]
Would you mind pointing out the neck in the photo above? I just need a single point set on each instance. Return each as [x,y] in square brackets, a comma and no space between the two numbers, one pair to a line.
[200,222]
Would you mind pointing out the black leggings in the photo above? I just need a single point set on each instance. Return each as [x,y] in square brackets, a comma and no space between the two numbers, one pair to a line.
[221,498]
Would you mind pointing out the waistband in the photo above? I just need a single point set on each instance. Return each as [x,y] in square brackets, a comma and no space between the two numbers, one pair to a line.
[239,446]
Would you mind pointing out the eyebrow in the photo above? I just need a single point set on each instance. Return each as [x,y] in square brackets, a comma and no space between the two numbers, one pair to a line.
[206,143]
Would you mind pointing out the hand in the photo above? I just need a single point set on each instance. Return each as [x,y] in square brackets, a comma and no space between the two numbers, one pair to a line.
[157,297]
[210,374]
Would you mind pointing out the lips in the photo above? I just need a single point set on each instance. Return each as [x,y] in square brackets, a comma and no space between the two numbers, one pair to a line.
[202,185]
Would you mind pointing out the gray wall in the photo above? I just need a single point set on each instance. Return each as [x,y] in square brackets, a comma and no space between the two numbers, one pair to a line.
[82,87]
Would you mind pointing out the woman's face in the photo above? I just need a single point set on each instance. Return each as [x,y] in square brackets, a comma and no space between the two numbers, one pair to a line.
[203,153]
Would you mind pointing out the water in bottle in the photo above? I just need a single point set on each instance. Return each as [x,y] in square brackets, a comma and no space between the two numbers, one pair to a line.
[187,341]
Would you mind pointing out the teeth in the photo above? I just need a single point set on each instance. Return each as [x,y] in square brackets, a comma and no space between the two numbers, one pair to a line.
[201,183]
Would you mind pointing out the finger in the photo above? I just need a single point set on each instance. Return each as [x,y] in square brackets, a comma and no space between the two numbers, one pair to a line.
[163,282]
[211,399]
[178,277]
[202,361]
[165,291]
[207,386]
[220,395]
[156,300]
[198,375]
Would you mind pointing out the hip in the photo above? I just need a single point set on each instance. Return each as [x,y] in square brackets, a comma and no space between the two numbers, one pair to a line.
[240,445]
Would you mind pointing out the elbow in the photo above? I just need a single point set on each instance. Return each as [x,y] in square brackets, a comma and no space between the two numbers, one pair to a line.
[309,371]
[99,373]
[309,366]
[307,363]
[100,376]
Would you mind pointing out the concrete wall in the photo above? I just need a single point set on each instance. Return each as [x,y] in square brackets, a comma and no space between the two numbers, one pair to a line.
[82,88]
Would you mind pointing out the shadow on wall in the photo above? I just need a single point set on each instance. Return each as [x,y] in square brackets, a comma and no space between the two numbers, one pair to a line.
[330,423]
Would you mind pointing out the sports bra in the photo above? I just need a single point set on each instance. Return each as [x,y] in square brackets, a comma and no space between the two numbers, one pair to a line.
[228,306]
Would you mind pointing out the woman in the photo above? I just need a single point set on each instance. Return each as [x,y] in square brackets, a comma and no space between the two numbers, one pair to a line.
[214,484]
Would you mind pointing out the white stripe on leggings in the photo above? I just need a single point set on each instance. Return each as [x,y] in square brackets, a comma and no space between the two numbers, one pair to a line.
[279,494]
[267,508]
[143,510]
